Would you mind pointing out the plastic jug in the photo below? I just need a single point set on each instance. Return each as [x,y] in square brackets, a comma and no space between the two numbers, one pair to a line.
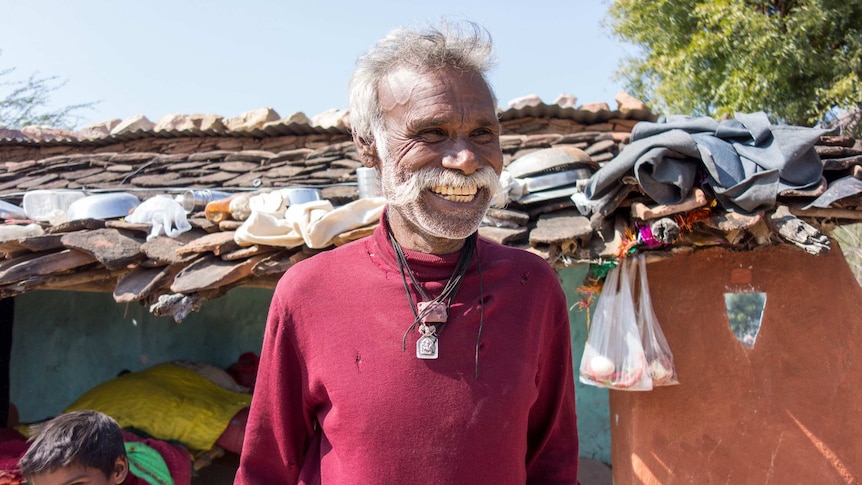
[49,205]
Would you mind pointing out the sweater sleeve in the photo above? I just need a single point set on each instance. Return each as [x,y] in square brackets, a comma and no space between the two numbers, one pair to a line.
[552,446]
[279,427]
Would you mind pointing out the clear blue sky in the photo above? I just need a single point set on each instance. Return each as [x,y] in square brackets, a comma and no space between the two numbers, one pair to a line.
[158,57]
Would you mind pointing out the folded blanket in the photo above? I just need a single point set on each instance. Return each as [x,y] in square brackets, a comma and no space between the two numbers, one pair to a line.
[746,161]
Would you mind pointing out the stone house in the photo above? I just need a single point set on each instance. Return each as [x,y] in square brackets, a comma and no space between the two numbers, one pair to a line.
[85,298]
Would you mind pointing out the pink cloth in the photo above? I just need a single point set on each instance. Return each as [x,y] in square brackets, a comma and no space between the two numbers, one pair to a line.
[338,401]
[231,438]
[13,445]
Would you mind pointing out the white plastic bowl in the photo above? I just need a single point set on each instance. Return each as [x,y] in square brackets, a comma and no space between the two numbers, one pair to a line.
[103,206]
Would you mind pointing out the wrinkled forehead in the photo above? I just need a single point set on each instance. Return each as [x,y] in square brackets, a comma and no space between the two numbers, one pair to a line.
[412,89]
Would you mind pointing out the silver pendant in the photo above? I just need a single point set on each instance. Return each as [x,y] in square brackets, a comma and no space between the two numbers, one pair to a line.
[426,346]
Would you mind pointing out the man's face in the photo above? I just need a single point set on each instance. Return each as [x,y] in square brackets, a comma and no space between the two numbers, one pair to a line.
[79,475]
[443,121]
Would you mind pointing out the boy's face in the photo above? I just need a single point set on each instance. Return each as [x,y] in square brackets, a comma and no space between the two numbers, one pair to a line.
[78,475]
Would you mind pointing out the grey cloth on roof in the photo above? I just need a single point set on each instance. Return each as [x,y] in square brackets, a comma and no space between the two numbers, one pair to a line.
[746,160]
[840,189]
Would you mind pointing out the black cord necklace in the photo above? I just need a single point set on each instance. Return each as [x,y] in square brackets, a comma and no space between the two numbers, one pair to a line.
[431,311]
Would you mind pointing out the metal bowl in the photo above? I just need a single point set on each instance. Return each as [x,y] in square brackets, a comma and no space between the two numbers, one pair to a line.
[11,211]
[299,195]
[103,206]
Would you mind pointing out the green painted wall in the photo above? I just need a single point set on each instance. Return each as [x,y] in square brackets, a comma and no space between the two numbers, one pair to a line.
[64,343]
[594,426]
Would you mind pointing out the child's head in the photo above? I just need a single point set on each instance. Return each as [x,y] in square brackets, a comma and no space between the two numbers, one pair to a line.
[81,446]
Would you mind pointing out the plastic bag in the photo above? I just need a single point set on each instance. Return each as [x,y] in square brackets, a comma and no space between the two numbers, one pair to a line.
[165,214]
[656,350]
[613,356]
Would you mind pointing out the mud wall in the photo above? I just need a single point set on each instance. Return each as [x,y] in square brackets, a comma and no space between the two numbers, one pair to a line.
[784,411]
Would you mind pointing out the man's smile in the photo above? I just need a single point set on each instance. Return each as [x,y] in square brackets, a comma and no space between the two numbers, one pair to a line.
[465,193]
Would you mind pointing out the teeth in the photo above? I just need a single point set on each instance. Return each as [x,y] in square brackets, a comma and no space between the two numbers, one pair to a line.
[469,190]
[456,194]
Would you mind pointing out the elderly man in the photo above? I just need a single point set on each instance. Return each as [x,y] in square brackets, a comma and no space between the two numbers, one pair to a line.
[420,354]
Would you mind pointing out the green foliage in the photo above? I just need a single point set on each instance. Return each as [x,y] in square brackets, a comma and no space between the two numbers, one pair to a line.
[849,237]
[800,61]
[24,103]
[744,312]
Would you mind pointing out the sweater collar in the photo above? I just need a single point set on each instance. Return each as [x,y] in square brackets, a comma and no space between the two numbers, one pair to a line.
[425,266]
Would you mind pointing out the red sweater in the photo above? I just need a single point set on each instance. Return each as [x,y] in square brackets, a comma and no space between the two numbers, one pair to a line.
[337,401]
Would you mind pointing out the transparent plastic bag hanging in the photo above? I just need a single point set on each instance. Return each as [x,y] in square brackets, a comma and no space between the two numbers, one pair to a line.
[613,356]
[659,358]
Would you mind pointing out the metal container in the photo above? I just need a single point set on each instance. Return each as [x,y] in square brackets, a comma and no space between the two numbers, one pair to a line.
[558,179]
[11,211]
[197,200]
[297,195]
[368,182]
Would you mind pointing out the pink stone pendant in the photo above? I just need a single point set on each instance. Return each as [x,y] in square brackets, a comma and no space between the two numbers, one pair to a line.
[436,313]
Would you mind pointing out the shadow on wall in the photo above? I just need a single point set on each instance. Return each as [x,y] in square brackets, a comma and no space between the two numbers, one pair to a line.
[64,343]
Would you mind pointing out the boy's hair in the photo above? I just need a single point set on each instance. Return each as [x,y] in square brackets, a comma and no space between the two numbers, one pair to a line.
[86,438]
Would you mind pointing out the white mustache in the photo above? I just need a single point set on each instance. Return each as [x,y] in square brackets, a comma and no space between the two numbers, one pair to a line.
[409,191]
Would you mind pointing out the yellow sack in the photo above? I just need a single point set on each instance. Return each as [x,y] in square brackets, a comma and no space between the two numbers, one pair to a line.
[168,402]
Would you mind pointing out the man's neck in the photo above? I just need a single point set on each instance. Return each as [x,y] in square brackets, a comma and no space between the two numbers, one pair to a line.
[411,237]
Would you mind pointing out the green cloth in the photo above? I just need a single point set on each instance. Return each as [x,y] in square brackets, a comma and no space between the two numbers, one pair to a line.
[148,464]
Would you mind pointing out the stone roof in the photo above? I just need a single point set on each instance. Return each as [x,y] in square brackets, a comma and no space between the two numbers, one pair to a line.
[259,152]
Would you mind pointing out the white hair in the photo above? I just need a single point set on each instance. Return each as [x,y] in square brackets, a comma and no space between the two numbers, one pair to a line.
[464,46]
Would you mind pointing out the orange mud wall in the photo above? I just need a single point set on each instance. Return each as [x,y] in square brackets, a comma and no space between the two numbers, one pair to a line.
[787,411]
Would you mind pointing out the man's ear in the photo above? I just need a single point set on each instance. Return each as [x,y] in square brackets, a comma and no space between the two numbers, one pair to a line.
[367,151]
[121,469]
